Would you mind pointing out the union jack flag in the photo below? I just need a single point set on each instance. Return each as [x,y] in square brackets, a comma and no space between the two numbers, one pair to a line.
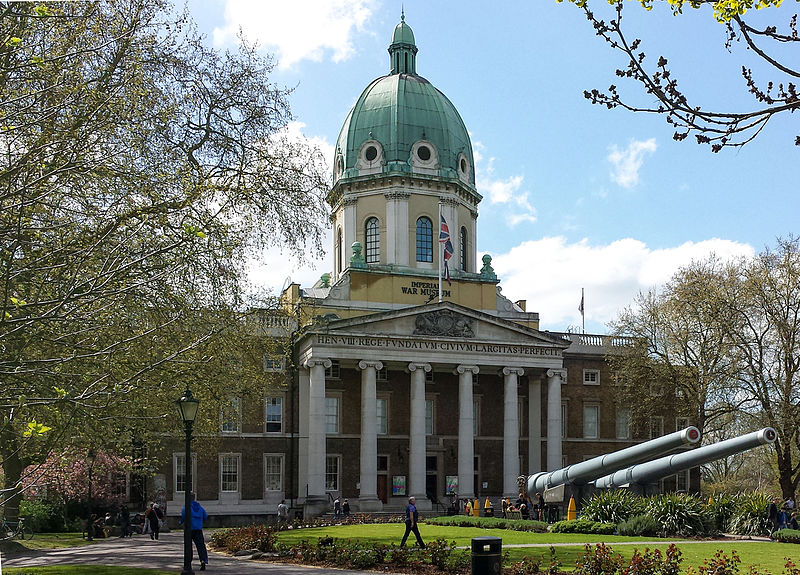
[444,238]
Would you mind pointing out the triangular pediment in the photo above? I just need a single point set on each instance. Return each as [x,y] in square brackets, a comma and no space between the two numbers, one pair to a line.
[445,320]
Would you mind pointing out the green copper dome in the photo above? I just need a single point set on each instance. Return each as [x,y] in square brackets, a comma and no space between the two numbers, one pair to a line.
[402,123]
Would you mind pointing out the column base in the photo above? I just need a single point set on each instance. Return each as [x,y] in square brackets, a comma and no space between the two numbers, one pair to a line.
[315,505]
[369,504]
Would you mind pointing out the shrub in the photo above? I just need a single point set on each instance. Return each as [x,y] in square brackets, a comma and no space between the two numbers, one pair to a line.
[654,563]
[721,509]
[720,564]
[610,506]
[489,523]
[41,516]
[644,525]
[750,515]
[583,526]
[787,535]
[678,514]
[528,566]
[598,561]
[261,537]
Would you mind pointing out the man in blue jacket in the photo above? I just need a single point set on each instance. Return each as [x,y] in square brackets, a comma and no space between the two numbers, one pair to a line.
[196,518]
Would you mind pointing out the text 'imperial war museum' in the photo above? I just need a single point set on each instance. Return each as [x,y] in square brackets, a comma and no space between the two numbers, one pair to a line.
[393,393]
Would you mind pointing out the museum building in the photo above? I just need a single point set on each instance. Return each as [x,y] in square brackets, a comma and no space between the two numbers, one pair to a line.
[393,390]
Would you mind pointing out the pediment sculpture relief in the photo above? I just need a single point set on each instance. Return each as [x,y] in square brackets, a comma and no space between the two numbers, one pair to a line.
[443,322]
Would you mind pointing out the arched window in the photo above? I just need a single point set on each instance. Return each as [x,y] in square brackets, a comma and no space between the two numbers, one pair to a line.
[339,250]
[462,241]
[372,239]
[424,240]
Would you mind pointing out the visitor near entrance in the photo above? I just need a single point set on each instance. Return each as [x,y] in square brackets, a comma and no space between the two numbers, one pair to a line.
[412,517]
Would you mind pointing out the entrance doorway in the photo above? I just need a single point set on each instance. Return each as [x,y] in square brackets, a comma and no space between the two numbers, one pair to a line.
[383,490]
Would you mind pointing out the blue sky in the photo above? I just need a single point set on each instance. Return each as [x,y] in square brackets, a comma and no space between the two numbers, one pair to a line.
[575,196]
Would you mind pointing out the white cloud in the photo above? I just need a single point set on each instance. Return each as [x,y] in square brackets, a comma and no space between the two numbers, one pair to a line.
[628,162]
[549,273]
[502,190]
[299,30]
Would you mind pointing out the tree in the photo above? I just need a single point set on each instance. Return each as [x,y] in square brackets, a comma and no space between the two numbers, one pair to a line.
[138,171]
[712,123]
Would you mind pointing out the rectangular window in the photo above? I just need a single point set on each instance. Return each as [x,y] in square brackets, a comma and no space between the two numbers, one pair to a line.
[382,374]
[429,376]
[476,412]
[681,423]
[682,481]
[332,473]
[179,466]
[273,472]
[229,472]
[230,415]
[382,414]
[383,463]
[429,411]
[563,420]
[591,377]
[333,372]
[274,415]
[331,415]
[273,364]
[656,426]
[590,421]
[624,424]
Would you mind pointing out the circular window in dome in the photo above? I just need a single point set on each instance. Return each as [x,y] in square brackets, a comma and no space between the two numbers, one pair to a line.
[424,153]
[371,153]
[463,165]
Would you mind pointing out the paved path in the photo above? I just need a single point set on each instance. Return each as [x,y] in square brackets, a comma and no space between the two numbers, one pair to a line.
[166,554]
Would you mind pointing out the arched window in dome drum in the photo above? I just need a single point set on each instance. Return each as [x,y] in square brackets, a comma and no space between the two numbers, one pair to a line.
[372,239]
[462,240]
[339,250]
[424,240]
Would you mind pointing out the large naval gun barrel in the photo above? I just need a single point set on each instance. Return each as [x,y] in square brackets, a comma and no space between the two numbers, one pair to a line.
[586,471]
[652,471]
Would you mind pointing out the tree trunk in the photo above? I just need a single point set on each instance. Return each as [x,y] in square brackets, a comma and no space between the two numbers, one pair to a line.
[12,469]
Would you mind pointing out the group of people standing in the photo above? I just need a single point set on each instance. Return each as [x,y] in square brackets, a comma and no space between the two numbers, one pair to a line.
[782,515]
[341,508]
[529,509]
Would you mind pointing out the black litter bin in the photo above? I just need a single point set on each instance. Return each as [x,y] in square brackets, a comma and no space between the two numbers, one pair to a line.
[487,555]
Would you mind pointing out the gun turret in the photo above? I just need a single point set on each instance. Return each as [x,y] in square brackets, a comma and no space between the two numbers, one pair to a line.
[652,471]
[586,471]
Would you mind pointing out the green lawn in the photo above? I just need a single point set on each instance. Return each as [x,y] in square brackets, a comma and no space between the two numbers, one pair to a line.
[83,570]
[54,541]
[766,556]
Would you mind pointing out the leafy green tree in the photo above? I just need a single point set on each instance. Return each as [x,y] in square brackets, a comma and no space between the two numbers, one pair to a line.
[139,170]
[712,123]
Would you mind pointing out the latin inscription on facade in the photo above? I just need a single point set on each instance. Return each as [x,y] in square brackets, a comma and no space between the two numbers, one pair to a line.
[400,344]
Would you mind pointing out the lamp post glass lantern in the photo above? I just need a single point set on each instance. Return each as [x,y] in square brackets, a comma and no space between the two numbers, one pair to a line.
[187,405]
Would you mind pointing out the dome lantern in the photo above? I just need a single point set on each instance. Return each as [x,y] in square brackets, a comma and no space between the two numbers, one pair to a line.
[403,49]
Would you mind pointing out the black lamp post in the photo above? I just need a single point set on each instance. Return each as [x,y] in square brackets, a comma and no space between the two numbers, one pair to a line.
[188,407]
[90,523]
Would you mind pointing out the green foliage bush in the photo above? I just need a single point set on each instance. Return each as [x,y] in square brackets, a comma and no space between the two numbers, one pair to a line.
[489,523]
[598,561]
[787,535]
[261,537]
[678,514]
[641,525]
[612,506]
[750,515]
[654,563]
[583,526]
[42,516]
[721,509]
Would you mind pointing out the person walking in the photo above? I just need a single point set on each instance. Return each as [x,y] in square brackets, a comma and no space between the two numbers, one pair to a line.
[125,522]
[412,517]
[337,508]
[346,508]
[283,512]
[197,516]
[772,514]
[153,518]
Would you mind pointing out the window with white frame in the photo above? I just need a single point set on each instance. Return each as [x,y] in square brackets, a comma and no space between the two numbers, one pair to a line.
[331,415]
[372,241]
[273,364]
[332,473]
[623,424]
[429,413]
[273,472]
[229,472]
[231,415]
[476,414]
[681,423]
[591,415]
[563,420]
[656,426]
[382,415]
[591,377]
[179,467]
[273,414]
[334,371]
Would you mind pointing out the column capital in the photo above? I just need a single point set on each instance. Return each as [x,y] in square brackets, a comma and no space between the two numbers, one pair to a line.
[313,361]
[413,366]
[364,364]
[461,369]
[562,373]
[518,371]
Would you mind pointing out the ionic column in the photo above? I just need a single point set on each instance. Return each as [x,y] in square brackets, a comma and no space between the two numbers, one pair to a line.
[416,459]
[511,430]
[534,426]
[368,497]
[316,426]
[554,378]
[302,444]
[466,437]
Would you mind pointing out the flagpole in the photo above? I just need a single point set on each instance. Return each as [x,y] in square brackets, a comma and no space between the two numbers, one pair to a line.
[441,252]
[583,314]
